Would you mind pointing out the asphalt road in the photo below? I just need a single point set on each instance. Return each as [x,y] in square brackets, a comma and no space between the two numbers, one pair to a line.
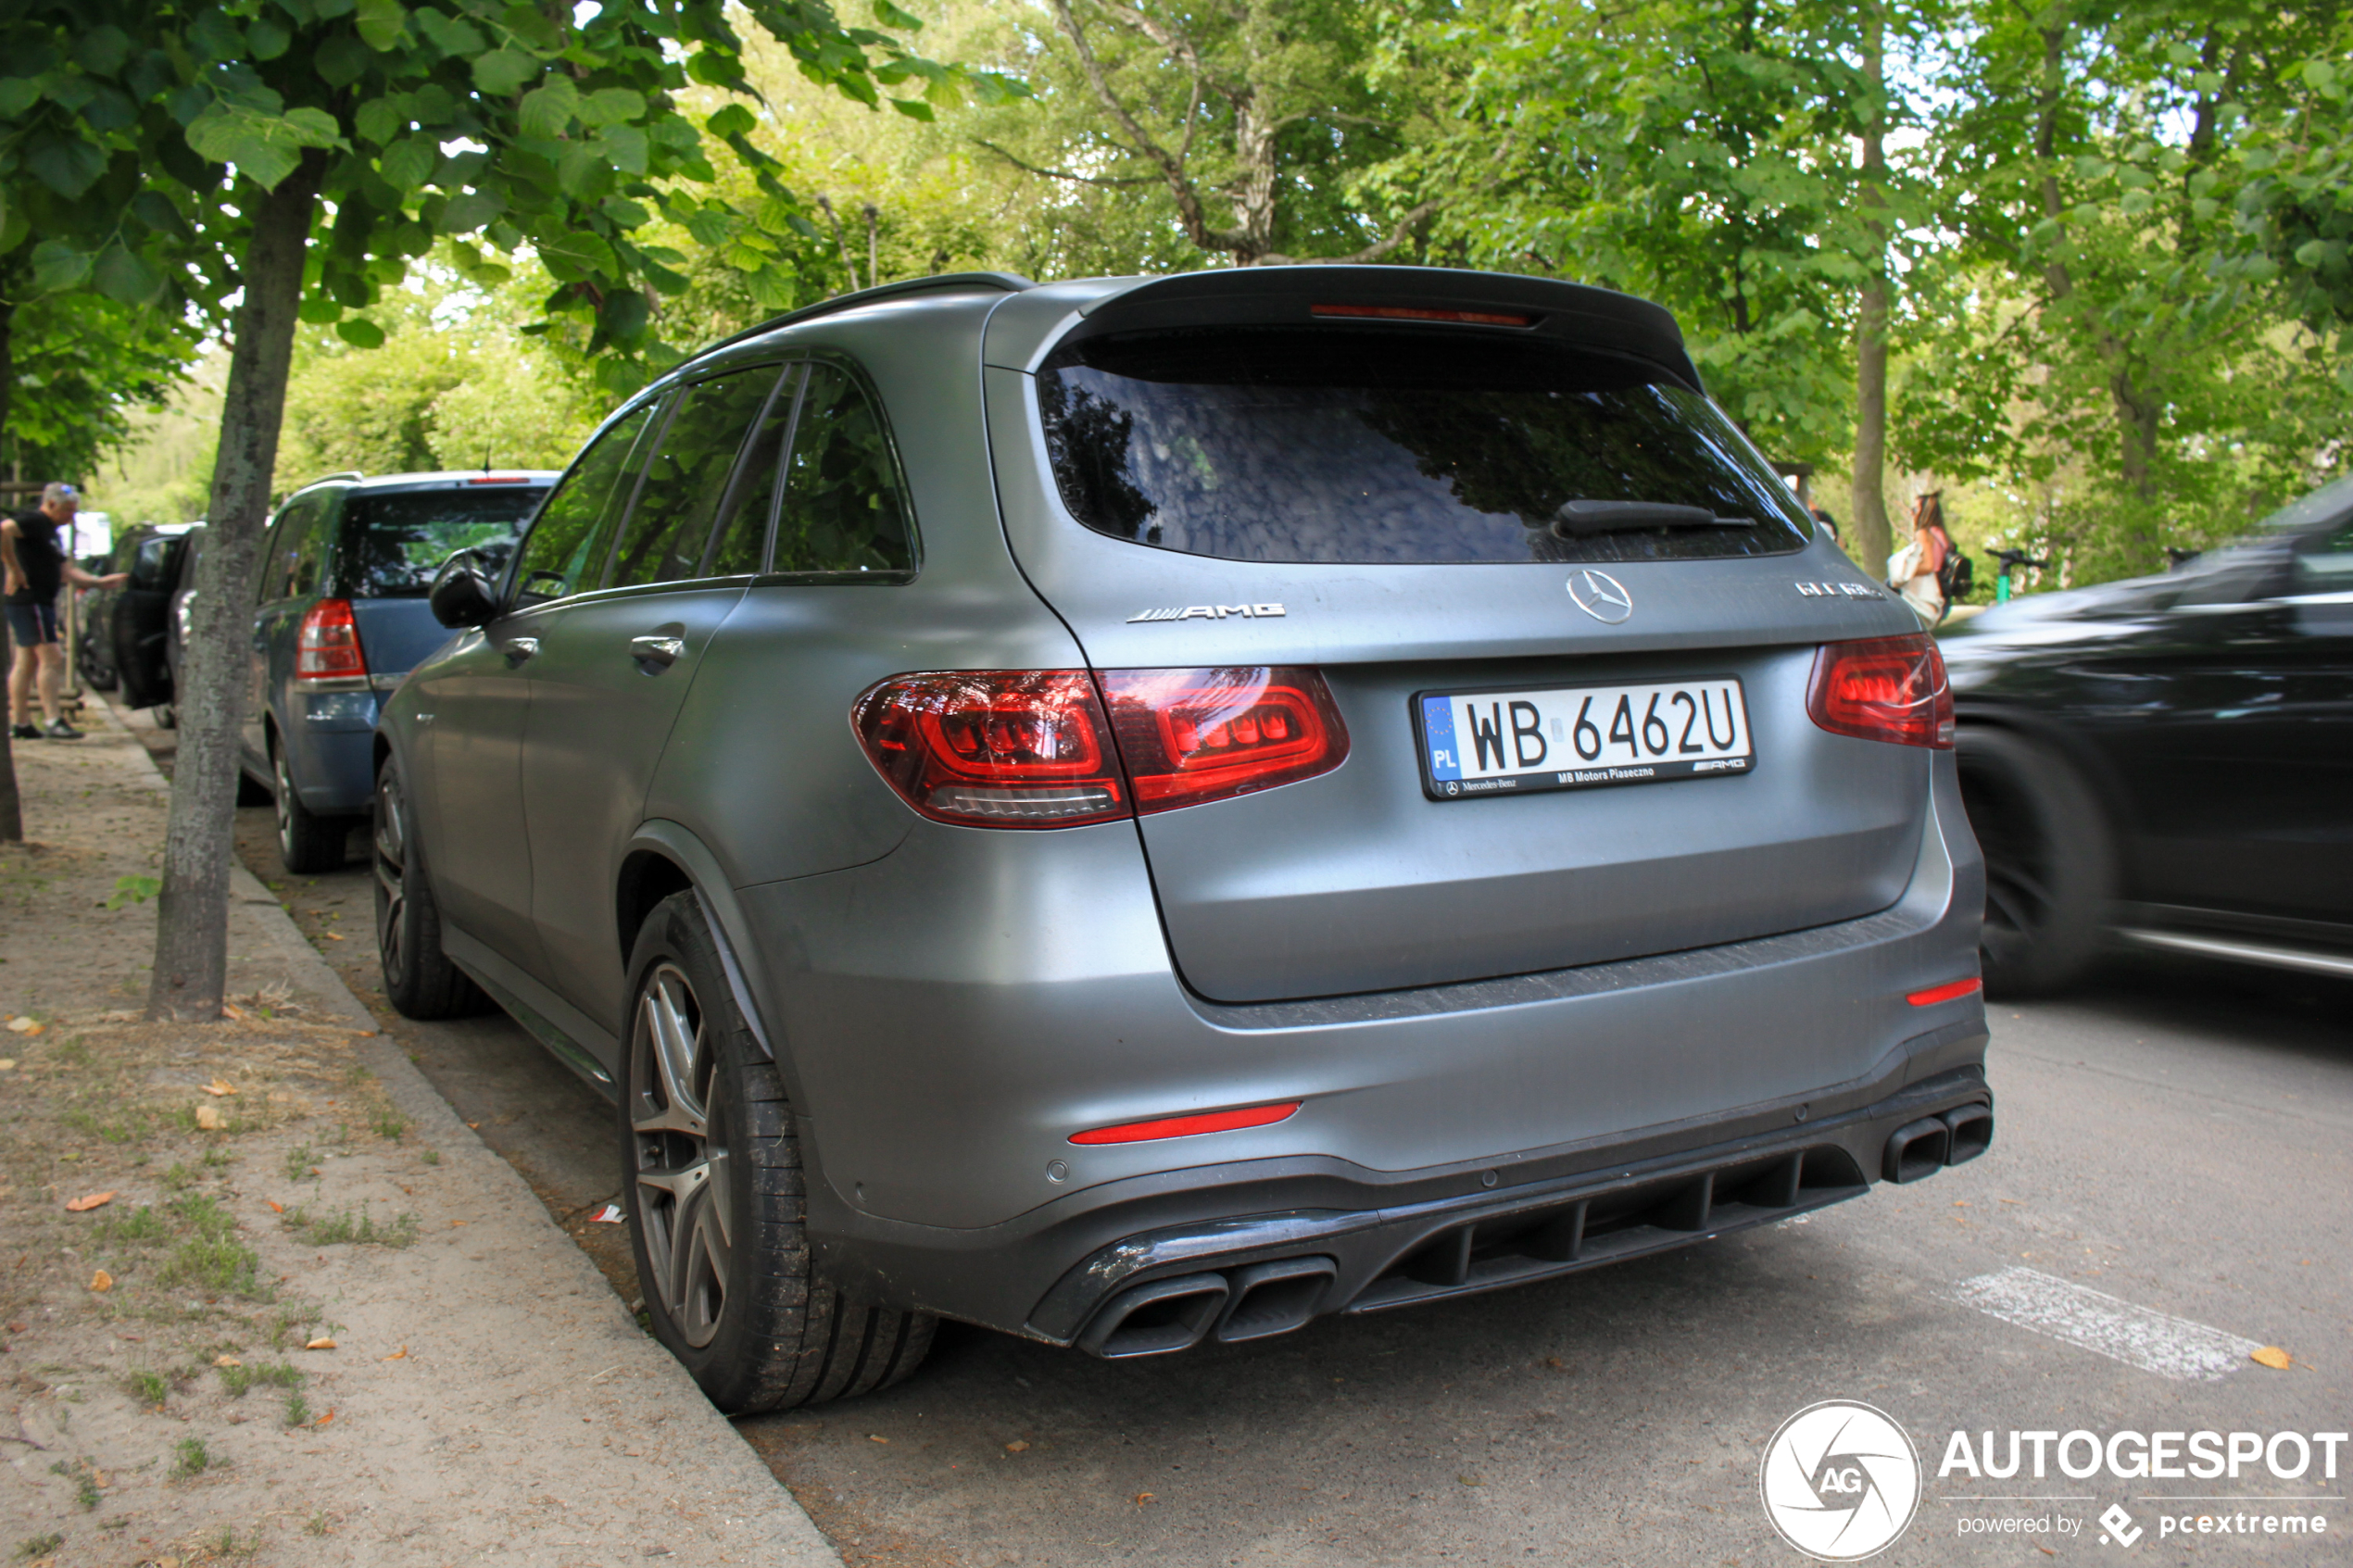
[2167,1191]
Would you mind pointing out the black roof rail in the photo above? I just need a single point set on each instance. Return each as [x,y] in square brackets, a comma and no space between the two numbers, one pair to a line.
[1012,282]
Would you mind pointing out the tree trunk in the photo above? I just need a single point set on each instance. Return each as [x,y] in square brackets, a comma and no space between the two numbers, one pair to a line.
[11,805]
[191,916]
[1872,537]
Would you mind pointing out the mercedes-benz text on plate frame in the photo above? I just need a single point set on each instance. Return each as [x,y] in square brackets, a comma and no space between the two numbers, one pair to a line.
[1600,595]
[1577,737]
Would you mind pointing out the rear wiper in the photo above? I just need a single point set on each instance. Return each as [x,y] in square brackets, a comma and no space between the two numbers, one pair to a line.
[1576,518]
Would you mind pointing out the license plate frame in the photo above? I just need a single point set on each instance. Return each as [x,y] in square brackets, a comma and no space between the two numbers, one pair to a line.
[1562,714]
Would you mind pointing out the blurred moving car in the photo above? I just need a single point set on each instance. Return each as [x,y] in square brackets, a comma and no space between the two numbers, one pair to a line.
[2169,761]
[116,626]
[1136,811]
[339,618]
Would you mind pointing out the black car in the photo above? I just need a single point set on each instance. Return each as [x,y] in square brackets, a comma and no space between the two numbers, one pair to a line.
[2167,762]
[121,627]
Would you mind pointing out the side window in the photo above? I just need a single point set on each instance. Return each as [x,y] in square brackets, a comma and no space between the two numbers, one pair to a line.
[565,550]
[2324,565]
[278,568]
[740,544]
[843,508]
[307,549]
[669,526]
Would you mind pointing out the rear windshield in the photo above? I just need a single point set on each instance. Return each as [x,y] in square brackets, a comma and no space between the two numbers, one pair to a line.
[394,542]
[1359,447]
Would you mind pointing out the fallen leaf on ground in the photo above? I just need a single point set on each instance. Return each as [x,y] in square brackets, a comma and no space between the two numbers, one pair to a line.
[88,1201]
[1143,1497]
[24,1026]
[322,1343]
[276,1207]
[102,1281]
[220,1086]
[230,1009]
[208,1118]
[226,1360]
[332,936]
[324,1419]
[2271,1356]
[399,1355]
[8,1064]
[1017,1446]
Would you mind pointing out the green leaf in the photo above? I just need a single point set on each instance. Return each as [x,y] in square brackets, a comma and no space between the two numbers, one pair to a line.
[458,39]
[625,214]
[17,94]
[360,333]
[625,316]
[267,39]
[2311,253]
[407,162]
[380,119]
[102,50]
[470,211]
[583,174]
[56,264]
[913,109]
[264,147]
[502,71]
[121,275]
[732,120]
[891,16]
[611,106]
[546,109]
[68,164]
[214,37]
[577,253]
[381,23]
[319,310]
[342,61]
[624,147]
[154,209]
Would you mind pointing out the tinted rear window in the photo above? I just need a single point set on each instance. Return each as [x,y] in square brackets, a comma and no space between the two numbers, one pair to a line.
[1325,445]
[394,542]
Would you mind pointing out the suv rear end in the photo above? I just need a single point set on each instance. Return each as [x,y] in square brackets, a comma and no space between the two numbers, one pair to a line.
[342,616]
[1216,972]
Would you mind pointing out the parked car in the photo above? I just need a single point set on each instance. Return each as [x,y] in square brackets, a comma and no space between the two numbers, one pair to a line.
[340,617]
[1140,810]
[118,628]
[2167,762]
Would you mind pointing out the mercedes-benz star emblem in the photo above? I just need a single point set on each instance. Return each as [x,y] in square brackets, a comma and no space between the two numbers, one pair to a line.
[1601,596]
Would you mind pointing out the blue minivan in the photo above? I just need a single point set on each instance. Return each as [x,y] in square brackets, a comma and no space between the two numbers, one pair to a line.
[340,619]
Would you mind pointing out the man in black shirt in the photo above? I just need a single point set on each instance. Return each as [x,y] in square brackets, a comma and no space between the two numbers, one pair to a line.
[33,560]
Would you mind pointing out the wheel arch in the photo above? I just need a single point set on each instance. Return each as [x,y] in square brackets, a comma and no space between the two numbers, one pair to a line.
[2054,734]
[665,858]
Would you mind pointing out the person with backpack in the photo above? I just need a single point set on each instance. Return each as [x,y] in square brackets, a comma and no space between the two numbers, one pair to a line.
[1931,573]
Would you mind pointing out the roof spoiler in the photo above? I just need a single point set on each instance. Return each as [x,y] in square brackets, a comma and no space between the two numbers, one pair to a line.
[1400,299]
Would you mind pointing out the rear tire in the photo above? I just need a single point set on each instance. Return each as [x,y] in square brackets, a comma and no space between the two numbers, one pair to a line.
[420,980]
[2050,870]
[307,843]
[714,1186]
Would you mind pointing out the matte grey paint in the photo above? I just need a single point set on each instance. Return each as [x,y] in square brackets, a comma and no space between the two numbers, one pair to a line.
[949,1004]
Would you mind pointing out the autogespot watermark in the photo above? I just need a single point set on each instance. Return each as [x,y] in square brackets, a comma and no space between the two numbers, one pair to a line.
[1842,1481]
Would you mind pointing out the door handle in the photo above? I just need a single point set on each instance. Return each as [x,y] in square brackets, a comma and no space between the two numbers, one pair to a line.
[663,651]
[517,649]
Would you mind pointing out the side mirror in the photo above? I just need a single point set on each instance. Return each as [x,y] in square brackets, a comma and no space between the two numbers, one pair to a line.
[462,596]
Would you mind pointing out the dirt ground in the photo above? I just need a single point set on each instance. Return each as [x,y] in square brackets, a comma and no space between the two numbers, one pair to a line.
[263,1298]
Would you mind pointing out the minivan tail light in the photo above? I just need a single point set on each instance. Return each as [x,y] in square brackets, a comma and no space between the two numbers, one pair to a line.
[1008,748]
[1884,689]
[1190,736]
[327,644]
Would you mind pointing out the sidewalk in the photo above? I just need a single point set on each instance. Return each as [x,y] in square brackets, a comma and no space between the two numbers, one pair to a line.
[485,1397]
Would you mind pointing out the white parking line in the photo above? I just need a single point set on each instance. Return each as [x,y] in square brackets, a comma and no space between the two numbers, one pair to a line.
[2095,1321]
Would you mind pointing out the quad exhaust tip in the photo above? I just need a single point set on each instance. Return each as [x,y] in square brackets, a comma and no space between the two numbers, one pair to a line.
[1169,1315]
[1923,1147]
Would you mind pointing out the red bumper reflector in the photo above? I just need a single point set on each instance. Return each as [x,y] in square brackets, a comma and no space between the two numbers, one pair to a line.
[1945,993]
[1189,1126]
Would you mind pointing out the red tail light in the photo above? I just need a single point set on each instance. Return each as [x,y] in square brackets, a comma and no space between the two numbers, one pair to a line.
[1194,736]
[1884,689]
[327,644]
[1011,749]
[1032,749]
[1952,990]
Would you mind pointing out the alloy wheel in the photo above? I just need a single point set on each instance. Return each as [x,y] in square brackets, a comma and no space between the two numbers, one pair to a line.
[392,899]
[281,803]
[682,1194]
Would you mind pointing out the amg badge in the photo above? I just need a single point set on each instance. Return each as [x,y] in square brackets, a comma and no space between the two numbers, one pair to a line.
[1208,612]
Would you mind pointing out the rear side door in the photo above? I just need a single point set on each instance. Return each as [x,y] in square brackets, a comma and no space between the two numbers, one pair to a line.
[138,624]
[472,700]
[612,669]
[292,568]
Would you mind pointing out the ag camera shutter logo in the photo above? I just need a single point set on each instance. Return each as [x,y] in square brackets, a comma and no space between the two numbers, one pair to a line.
[1840,1481]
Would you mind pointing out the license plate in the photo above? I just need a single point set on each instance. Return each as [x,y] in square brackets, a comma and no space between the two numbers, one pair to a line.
[1581,738]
